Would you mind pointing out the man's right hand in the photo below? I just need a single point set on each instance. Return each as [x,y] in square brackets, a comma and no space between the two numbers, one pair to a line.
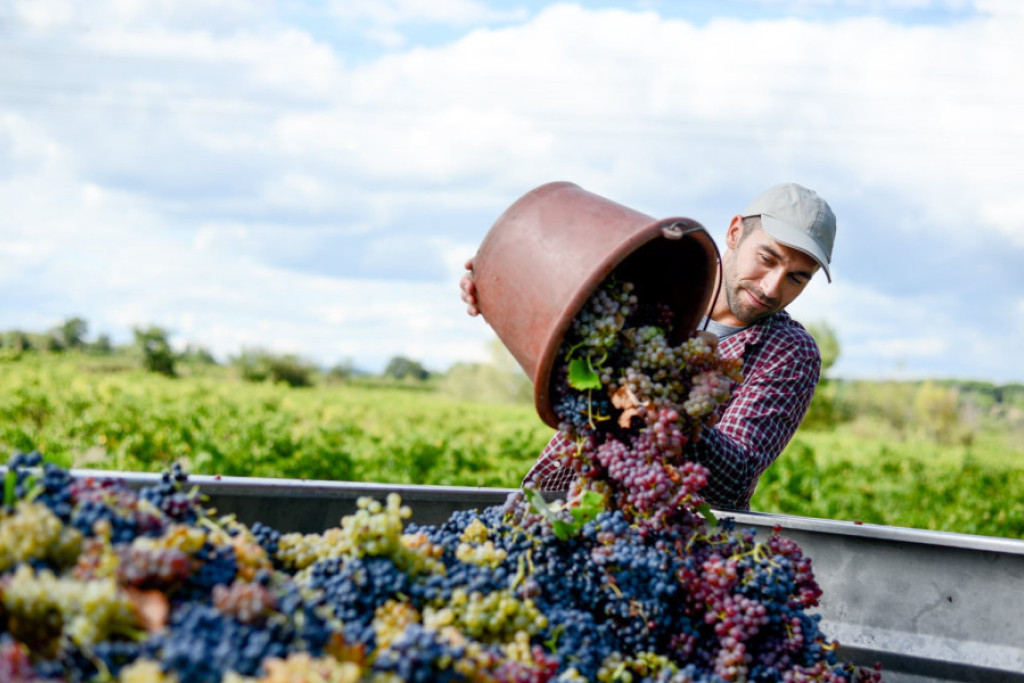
[468,289]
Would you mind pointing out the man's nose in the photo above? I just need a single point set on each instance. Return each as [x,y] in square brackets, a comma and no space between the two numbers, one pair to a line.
[771,284]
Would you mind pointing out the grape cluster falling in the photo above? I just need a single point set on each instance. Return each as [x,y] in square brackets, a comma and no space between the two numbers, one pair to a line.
[630,579]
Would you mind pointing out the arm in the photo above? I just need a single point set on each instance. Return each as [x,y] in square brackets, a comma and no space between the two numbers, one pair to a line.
[759,420]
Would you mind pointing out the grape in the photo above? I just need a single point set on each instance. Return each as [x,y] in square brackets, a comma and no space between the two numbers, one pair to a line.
[31,532]
[301,666]
[43,607]
[629,436]
[624,580]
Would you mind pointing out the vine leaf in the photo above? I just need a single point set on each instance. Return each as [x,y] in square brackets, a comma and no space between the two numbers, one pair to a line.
[705,511]
[10,484]
[589,505]
[582,375]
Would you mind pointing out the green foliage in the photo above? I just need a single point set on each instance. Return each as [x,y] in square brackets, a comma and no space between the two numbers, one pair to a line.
[582,374]
[341,371]
[194,353]
[262,366]
[893,489]
[828,344]
[566,525]
[157,355]
[401,367]
[824,411]
[105,411]
[102,345]
[79,414]
[485,383]
[71,333]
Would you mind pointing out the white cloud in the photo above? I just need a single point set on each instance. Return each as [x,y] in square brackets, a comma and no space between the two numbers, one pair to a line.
[169,165]
[180,14]
[394,12]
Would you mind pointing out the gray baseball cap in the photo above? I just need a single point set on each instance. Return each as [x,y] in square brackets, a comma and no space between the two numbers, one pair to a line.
[799,218]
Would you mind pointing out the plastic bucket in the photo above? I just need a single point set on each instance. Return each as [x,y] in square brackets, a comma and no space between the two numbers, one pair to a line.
[549,251]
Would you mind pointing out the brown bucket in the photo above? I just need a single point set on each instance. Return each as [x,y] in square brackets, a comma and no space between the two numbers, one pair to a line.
[549,251]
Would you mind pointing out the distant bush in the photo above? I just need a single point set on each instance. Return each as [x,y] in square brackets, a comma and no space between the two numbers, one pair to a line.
[157,355]
[401,367]
[194,353]
[262,366]
[486,383]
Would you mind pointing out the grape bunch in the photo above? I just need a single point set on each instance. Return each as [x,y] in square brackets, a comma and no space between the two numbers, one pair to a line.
[516,593]
[628,401]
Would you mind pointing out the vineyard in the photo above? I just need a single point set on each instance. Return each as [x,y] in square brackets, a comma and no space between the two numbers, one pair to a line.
[87,414]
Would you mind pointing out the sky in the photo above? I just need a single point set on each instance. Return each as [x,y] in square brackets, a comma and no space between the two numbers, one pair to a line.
[310,177]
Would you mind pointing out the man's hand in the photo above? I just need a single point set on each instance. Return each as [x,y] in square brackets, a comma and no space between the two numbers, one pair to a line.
[468,287]
[710,338]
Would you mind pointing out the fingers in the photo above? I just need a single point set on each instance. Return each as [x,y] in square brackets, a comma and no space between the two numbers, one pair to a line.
[710,338]
[467,289]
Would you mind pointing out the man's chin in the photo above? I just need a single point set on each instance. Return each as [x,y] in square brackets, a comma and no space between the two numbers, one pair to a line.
[749,317]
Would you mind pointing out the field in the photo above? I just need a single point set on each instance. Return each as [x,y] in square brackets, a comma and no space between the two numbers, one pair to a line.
[106,413]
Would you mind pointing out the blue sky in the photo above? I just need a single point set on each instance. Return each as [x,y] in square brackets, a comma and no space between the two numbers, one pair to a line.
[310,177]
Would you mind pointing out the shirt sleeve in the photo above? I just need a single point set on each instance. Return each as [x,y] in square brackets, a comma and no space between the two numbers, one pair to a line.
[551,472]
[759,420]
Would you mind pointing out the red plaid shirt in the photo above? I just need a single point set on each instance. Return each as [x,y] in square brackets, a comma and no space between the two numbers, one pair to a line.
[781,364]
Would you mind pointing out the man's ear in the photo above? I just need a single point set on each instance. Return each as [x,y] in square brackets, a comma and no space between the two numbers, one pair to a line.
[735,232]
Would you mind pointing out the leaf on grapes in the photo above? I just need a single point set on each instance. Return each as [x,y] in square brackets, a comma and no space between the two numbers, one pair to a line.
[582,375]
[30,486]
[10,484]
[705,511]
[590,505]
[537,501]
[563,530]
[151,608]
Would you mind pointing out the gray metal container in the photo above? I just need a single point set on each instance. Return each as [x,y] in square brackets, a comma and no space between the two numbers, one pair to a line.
[928,606]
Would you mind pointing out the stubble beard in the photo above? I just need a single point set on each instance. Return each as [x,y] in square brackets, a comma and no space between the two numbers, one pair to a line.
[739,307]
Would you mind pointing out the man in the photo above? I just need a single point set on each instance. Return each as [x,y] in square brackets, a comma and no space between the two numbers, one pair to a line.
[773,249]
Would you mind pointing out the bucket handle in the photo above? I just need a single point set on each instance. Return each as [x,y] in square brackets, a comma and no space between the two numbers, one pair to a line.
[679,230]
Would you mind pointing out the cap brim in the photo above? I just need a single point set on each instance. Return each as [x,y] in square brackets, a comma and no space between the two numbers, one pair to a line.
[786,234]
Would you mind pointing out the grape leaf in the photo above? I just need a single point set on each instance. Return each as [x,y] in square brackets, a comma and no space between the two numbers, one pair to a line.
[537,501]
[582,375]
[588,507]
[705,511]
[10,484]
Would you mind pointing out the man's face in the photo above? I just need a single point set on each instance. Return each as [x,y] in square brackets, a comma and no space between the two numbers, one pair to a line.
[761,276]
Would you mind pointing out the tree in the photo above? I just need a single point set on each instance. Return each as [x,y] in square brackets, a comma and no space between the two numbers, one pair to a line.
[71,333]
[194,353]
[824,411]
[18,341]
[400,367]
[828,344]
[157,355]
[342,371]
[257,365]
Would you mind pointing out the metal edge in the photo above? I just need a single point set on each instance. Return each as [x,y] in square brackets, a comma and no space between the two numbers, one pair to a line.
[479,495]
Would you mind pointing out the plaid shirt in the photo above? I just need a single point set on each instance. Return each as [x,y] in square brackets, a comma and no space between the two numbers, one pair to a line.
[781,364]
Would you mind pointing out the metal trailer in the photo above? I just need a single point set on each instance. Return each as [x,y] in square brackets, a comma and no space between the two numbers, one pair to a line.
[928,606]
